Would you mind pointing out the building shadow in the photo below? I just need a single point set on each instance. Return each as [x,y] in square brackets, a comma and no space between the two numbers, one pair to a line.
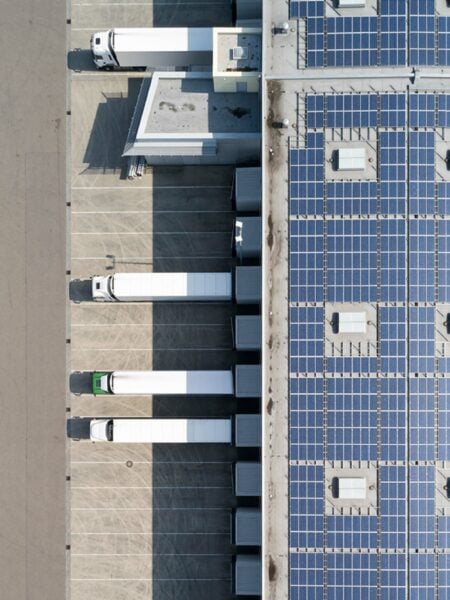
[184,14]
[110,129]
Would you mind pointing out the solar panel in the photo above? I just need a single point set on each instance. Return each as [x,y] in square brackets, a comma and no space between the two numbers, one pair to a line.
[306,261]
[393,577]
[421,260]
[444,419]
[421,110]
[306,419]
[421,339]
[421,32]
[444,261]
[393,339]
[352,42]
[306,506]
[352,197]
[351,531]
[373,402]
[306,339]
[392,111]
[352,260]
[351,110]
[421,568]
[421,506]
[443,54]
[392,170]
[393,507]
[421,415]
[393,260]
[421,171]
[392,23]
[393,419]
[352,576]
[306,576]
[352,415]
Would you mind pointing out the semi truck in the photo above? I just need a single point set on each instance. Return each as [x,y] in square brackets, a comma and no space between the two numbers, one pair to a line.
[151,287]
[162,431]
[214,383]
[139,48]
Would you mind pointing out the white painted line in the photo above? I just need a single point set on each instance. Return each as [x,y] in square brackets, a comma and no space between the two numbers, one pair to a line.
[148,554]
[112,579]
[187,508]
[124,259]
[152,212]
[150,487]
[152,187]
[150,462]
[153,233]
[148,348]
[89,325]
[153,533]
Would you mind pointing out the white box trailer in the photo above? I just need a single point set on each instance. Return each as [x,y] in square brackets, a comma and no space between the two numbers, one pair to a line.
[162,431]
[214,383]
[141,47]
[153,287]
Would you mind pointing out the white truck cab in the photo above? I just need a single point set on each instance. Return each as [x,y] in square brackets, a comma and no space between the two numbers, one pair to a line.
[101,288]
[102,52]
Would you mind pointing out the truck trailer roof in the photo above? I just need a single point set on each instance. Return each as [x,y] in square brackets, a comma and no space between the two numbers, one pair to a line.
[164,431]
[163,39]
[172,382]
[181,286]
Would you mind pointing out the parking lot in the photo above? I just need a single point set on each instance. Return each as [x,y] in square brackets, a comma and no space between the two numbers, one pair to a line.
[145,521]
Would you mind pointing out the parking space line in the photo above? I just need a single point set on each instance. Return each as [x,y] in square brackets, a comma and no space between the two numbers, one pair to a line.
[159,508]
[133,259]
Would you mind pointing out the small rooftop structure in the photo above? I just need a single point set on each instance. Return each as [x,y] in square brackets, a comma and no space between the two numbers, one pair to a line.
[180,119]
[247,381]
[247,431]
[247,527]
[236,59]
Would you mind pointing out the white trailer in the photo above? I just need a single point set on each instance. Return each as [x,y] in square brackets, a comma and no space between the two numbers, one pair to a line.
[151,287]
[214,383]
[162,431]
[130,48]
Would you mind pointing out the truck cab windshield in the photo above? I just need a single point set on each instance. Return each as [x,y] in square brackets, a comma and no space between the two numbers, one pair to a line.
[109,430]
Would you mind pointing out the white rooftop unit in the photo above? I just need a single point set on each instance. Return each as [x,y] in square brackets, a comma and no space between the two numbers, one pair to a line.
[352,322]
[352,488]
[351,3]
[351,159]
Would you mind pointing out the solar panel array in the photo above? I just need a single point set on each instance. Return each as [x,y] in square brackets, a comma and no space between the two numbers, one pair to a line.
[400,33]
[378,241]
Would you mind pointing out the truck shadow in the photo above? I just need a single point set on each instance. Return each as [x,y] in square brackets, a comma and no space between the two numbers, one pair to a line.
[80,60]
[80,382]
[80,290]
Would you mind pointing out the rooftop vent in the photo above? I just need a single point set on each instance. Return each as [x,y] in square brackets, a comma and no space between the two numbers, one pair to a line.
[239,53]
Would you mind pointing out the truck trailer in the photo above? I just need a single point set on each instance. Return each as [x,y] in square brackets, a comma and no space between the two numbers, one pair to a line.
[138,48]
[162,431]
[151,287]
[214,383]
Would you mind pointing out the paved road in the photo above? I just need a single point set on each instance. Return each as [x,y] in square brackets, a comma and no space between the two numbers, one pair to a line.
[32,300]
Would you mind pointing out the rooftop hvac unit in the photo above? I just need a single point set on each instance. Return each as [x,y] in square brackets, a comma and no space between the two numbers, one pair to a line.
[351,3]
[351,322]
[352,488]
[351,159]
